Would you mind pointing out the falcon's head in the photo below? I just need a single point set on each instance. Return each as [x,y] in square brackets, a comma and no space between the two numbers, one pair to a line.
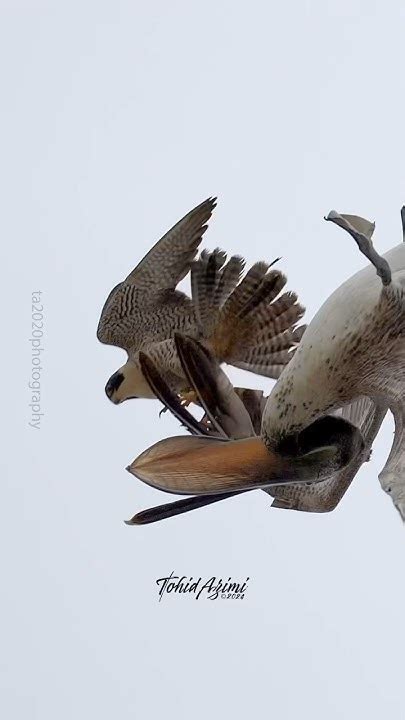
[126,383]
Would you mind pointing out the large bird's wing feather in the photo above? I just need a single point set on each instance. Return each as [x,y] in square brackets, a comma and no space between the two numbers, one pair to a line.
[214,390]
[168,397]
[156,275]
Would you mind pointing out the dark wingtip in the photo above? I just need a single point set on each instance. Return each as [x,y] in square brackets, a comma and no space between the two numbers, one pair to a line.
[178,507]
[211,202]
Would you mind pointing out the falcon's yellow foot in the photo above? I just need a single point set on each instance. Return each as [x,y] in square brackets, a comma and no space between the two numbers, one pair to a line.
[189,397]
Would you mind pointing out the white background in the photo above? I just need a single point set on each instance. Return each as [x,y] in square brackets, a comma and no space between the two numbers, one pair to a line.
[119,117]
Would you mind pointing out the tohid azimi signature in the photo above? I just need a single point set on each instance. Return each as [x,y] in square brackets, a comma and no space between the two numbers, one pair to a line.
[210,589]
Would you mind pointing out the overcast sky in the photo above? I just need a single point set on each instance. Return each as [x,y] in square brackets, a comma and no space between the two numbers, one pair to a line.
[118,118]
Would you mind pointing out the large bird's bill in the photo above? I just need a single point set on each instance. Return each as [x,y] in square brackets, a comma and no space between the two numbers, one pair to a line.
[211,472]
[201,466]
[178,507]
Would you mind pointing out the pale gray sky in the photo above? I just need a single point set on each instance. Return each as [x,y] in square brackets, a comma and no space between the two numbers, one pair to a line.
[119,117]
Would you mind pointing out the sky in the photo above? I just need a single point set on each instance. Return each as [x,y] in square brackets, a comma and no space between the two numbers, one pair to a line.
[118,118]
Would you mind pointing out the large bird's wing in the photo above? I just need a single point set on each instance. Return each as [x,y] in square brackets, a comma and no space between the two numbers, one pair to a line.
[392,476]
[367,415]
[158,273]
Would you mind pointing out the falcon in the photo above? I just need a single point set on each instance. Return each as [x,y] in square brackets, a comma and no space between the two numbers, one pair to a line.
[244,322]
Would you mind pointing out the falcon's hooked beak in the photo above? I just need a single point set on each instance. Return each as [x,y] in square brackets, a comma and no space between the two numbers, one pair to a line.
[128,382]
[113,385]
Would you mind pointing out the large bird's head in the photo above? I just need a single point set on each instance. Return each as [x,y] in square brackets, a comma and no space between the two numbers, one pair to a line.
[213,468]
[327,445]
[126,383]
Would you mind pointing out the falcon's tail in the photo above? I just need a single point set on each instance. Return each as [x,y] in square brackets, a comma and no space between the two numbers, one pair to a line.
[256,327]
[212,281]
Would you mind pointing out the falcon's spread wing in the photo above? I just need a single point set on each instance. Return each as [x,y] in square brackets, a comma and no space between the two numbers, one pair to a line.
[170,259]
[158,273]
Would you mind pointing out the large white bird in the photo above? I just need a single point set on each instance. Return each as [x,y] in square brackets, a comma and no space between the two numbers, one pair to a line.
[353,352]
